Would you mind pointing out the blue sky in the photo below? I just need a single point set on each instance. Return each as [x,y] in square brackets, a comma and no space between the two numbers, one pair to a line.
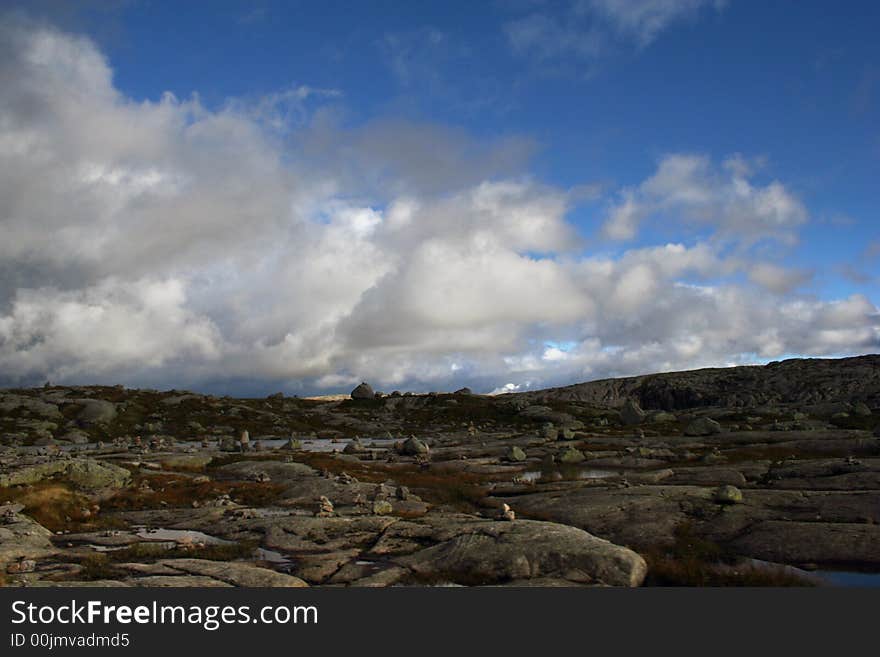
[655,155]
[796,83]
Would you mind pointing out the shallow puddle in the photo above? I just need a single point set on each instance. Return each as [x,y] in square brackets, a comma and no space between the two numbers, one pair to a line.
[182,536]
[849,578]
[564,473]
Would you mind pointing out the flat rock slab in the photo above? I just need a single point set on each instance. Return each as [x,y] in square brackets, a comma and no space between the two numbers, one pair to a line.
[709,476]
[279,471]
[642,516]
[234,573]
[812,542]
[23,538]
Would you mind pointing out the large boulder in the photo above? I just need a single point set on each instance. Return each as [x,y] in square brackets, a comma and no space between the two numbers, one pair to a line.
[412,446]
[74,437]
[861,409]
[96,411]
[31,406]
[501,552]
[728,494]
[702,426]
[662,416]
[570,455]
[86,474]
[354,447]
[631,413]
[21,537]
[363,391]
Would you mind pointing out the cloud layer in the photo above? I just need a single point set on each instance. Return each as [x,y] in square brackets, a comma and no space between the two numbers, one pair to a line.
[584,31]
[173,244]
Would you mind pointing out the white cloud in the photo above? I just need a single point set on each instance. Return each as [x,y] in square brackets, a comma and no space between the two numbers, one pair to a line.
[102,329]
[689,189]
[778,279]
[171,243]
[588,30]
[643,20]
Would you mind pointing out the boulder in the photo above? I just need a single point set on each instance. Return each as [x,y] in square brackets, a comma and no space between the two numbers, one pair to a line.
[702,426]
[412,446]
[353,447]
[861,409]
[728,494]
[363,391]
[631,413]
[515,454]
[499,552]
[21,538]
[74,437]
[86,474]
[96,411]
[382,508]
[570,455]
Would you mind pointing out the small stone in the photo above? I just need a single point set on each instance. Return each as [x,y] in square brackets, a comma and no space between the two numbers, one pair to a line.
[325,507]
[703,426]
[570,455]
[22,566]
[292,444]
[382,507]
[515,454]
[728,495]
[412,446]
[506,513]
[354,446]
[547,430]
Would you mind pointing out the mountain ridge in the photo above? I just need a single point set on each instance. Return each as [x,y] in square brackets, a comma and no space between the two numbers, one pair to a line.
[792,381]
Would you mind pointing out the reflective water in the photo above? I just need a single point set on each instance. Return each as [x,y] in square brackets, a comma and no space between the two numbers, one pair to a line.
[184,536]
[559,474]
[849,578]
[308,445]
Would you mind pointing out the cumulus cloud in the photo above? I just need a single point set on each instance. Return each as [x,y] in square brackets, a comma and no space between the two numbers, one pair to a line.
[263,240]
[778,279]
[691,189]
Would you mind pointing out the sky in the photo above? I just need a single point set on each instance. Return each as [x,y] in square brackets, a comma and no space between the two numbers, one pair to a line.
[251,197]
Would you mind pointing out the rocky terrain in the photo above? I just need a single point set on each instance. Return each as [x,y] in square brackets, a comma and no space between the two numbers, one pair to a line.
[741,476]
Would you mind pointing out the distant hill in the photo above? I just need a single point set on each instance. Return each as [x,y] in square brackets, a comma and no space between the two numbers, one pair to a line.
[801,381]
